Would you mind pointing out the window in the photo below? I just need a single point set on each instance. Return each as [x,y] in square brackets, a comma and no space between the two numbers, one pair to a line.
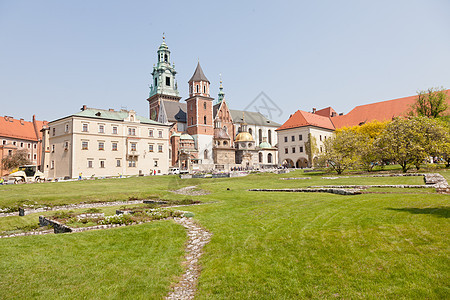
[269,158]
[84,145]
[34,156]
[250,131]
[165,58]
[101,128]
[101,146]
[156,82]
[132,163]
[204,120]
[269,134]
[160,148]
[21,145]
[85,128]
[205,154]
[52,164]
[10,152]
[114,130]
[133,146]
[102,164]
[150,132]
[190,89]
[29,145]
[260,157]
[204,89]
[300,137]
[320,149]
[114,146]
[260,137]
[54,131]
[191,106]
[286,150]
[90,164]
[118,163]
[53,148]
[14,143]
[204,105]
[192,120]
[301,149]
[29,156]
[293,138]
[155,163]
[150,148]
[66,129]
[35,146]
[285,139]
[66,145]
[168,81]
[4,142]
[320,139]
[160,134]
[197,88]
[293,149]
[131,131]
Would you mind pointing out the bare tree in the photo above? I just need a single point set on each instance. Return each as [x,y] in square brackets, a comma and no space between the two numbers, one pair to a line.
[18,158]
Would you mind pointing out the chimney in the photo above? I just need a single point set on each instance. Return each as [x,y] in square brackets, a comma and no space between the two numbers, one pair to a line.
[22,121]
[314,110]
[84,107]
[6,118]
[341,114]
[111,109]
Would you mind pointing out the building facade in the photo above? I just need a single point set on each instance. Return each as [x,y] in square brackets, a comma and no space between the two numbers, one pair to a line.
[100,143]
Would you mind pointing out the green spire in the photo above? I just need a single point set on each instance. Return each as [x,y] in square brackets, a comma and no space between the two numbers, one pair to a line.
[221,95]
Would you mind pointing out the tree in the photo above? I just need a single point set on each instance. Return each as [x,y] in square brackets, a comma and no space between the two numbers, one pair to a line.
[18,158]
[404,141]
[311,148]
[340,151]
[431,103]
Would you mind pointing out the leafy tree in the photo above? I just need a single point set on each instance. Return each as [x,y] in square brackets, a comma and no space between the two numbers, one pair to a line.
[18,158]
[340,151]
[311,148]
[431,103]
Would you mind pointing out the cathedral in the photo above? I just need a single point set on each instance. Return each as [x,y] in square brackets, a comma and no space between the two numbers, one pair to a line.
[205,133]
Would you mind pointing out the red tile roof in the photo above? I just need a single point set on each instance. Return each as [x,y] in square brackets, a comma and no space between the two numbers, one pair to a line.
[326,112]
[20,129]
[303,118]
[380,111]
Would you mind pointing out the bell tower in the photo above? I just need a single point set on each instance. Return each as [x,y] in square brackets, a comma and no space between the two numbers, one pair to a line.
[163,86]
[200,115]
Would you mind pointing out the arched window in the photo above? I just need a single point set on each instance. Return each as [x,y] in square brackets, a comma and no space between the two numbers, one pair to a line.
[225,128]
[204,119]
[197,88]
[269,133]
[190,89]
[165,57]
[156,82]
[205,154]
[260,136]
[204,105]
[269,158]
[250,131]
[225,143]
[260,157]
[204,89]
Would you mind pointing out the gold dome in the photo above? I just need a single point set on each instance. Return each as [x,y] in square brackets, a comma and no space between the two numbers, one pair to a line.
[244,137]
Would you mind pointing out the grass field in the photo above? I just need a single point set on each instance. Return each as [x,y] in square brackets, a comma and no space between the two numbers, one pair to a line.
[393,244]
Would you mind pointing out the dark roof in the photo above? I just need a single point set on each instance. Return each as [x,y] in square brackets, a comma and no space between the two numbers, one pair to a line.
[111,115]
[198,74]
[176,111]
[252,118]
[216,109]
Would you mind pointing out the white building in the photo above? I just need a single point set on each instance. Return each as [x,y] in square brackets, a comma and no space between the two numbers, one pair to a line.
[97,143]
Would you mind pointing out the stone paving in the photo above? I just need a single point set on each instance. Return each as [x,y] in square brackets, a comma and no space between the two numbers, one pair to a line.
[198,238]
[189,190]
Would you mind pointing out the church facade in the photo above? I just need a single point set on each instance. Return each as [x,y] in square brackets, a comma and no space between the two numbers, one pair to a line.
[205,134]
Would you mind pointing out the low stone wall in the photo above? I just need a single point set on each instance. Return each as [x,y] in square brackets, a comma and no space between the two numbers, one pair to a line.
[400,186]
[296,178]
[338,191]
[57,226]
[40,232]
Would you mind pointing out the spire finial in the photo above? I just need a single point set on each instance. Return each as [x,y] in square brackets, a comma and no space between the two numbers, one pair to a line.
[220,77]
[164,36]
[221,95]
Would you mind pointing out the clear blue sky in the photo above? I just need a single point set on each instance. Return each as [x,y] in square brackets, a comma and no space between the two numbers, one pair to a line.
[56,56]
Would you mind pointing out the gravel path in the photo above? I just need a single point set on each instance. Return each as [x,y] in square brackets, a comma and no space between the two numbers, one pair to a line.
[198,238]
[189,190]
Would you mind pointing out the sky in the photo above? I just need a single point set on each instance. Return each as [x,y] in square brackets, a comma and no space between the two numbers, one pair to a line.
[56,56]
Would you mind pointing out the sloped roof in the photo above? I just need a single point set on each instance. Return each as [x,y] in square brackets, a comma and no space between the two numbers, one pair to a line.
[252,118]
[302,118]
[20,129]
[220,133]
[111,115]
[380,111]
[176,111]
[326,112]
[198,74]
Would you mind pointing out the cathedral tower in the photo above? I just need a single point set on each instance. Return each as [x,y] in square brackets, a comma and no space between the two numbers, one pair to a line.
[200,115]
[164,85]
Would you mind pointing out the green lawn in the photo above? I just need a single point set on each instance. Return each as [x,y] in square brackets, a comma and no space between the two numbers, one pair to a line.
[264,245]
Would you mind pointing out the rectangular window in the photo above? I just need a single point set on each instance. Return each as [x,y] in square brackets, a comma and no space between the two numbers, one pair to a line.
[132,163]
[66,129]
[160,134]
[114,130]
[84,145]
[90,164]
[66,145]
[34,156]
[321,149]
[320,139]
[168,81]
[285,139]
[102,164]
[29,156]
[101,146]
[114,146]
[4,142]
[85,128]
[54,131]
[52,164]
[29,145]
[35,146]
[21,145]
[301,149]
[156,163]
[101,128]
[133,146]
[150,148]
[160,148]
[293,138]
[14,143]
[300,137]
[131,131]
[286,150]
[293,149]
[53,148]
[150,132]
[118,163]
